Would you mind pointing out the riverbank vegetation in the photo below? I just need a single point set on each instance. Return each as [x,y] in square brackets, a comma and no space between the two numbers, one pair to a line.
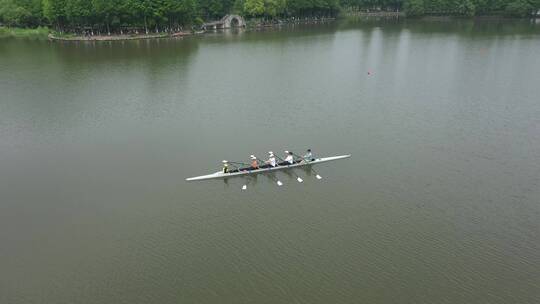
[131,16]
[39,32]
[108,16]
[510,8]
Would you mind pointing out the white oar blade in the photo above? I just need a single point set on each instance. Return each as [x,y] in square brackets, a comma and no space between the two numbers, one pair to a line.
[279,183]
[318,176]
[244,187]
[299,179]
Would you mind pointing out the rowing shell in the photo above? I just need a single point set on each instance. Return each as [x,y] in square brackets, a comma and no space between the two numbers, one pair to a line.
[220,174]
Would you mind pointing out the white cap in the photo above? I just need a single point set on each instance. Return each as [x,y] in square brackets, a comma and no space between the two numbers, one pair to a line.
[271,153]
[224,161]
[287,152]
[253,157]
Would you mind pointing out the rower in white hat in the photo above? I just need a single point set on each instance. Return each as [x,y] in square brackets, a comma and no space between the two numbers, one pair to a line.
[271,159]
[254,162]
[253,165]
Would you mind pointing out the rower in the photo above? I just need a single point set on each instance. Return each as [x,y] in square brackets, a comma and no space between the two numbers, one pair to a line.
[254,163]
[289,159]
[225,166]
[308,156]
[271,162]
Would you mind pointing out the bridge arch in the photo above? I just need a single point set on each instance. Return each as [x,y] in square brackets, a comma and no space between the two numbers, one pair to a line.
[234,21]
[228,21]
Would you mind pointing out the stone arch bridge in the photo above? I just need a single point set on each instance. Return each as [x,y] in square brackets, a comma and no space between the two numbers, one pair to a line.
[228,21]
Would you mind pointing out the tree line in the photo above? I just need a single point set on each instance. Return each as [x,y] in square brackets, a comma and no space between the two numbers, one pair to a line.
[114,15]
[515,8]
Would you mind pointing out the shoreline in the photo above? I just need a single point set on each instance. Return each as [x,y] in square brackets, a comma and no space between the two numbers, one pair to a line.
[116,37]
[46,33]
[374,14]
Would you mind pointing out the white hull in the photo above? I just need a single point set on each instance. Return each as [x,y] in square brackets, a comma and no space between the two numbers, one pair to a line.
[220,174]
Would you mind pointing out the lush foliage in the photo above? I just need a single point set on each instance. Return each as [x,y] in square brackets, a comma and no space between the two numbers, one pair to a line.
[38,33]
[518,8]
[414,7]
[21,12]
[114,15]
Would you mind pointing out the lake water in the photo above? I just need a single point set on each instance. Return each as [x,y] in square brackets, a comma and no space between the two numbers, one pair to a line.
[439,203]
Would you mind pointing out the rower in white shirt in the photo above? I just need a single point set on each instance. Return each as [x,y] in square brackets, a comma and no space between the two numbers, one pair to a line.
[271,162]
[289,159]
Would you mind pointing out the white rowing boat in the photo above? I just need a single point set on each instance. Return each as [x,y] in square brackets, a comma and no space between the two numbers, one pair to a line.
[220,174]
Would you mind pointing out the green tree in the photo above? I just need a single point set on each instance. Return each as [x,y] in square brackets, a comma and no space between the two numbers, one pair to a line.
[13,14]
[414,7]
[215,9]
[238,7]
[464,7]
[33,11]
[535,5]
[481,6]
[272,8]
[519,8]
[106,10]
[254,7]
[54,11]
[140,10]
[78,12]
[188,12]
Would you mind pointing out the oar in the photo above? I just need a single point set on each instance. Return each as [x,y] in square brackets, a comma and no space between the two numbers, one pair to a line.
[311,167]
[278,182]
[244,186]
[239,163]
[316,174]
[274,178]
[297,177]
